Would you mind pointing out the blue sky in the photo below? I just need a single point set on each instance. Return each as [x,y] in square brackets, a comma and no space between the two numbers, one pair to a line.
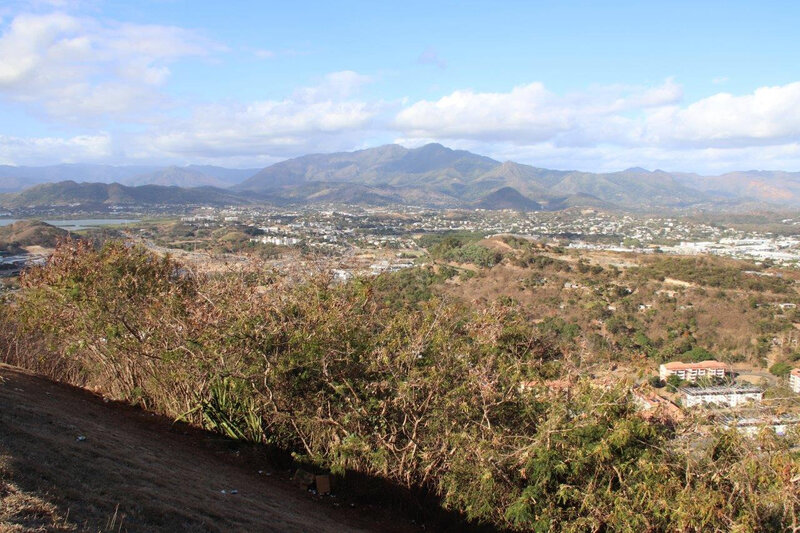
[695,86]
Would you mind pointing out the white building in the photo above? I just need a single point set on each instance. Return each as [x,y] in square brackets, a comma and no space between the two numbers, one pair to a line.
[794,380]
[692,371]
[721,396]
[751,426]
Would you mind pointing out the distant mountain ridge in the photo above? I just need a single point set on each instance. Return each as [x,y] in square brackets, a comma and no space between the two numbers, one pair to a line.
[432,175]
[15,179]
[70,193]
[471,179]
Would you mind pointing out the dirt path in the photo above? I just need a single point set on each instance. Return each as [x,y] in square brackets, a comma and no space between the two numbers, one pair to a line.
[137,472]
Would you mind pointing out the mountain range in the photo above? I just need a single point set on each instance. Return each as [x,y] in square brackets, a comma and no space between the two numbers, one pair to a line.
[15,179]
[432,175]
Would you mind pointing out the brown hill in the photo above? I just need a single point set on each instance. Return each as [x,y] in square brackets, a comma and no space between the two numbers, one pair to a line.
[15,237]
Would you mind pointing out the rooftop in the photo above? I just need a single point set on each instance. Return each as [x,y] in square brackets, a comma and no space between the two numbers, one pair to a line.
[699,391]
[710,364]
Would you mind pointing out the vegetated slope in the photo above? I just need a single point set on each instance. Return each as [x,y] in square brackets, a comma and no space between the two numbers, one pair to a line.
[507,198]
[14,237]
[767,186]
[430,165]
[631,187]
[137,472]
[425,394]
[656,306]
[67,193]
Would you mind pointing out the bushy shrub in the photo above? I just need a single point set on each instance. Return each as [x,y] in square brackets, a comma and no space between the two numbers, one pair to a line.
[428,395]
[781,369]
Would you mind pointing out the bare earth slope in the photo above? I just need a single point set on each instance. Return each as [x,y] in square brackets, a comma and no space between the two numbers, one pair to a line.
[138,472]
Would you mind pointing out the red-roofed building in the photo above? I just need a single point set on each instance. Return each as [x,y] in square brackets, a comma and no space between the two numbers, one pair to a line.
[692,371]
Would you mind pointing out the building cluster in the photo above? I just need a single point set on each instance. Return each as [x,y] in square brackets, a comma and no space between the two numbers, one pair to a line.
[734,405]
[343,226]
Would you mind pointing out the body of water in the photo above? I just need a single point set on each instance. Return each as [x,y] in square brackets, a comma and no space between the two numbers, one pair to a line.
[77,225]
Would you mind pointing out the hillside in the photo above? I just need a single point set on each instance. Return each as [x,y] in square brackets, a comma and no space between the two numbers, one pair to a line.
[137,472]
[767,186]
[507,198]
[15,237]
[430,165]
[508,399]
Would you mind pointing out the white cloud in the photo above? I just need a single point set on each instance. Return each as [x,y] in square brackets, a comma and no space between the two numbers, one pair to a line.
[531,113]
[86,71]
[50,150]
[73,67]
[313,119]
[613,127]
[335,85]
[768,116]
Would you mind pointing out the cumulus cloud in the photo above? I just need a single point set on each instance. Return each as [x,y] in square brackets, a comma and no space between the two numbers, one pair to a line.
[320,118]
[42,150]
[768,116]
[84,72]
[531,113]
[611,127]
[76,67]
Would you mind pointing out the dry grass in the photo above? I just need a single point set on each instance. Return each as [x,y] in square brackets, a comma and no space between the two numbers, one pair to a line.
[21,511]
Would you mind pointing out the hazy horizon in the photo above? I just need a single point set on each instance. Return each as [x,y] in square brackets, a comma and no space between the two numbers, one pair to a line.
[155,166]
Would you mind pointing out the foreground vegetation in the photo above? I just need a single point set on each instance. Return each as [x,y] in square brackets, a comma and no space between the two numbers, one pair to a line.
[425,393]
